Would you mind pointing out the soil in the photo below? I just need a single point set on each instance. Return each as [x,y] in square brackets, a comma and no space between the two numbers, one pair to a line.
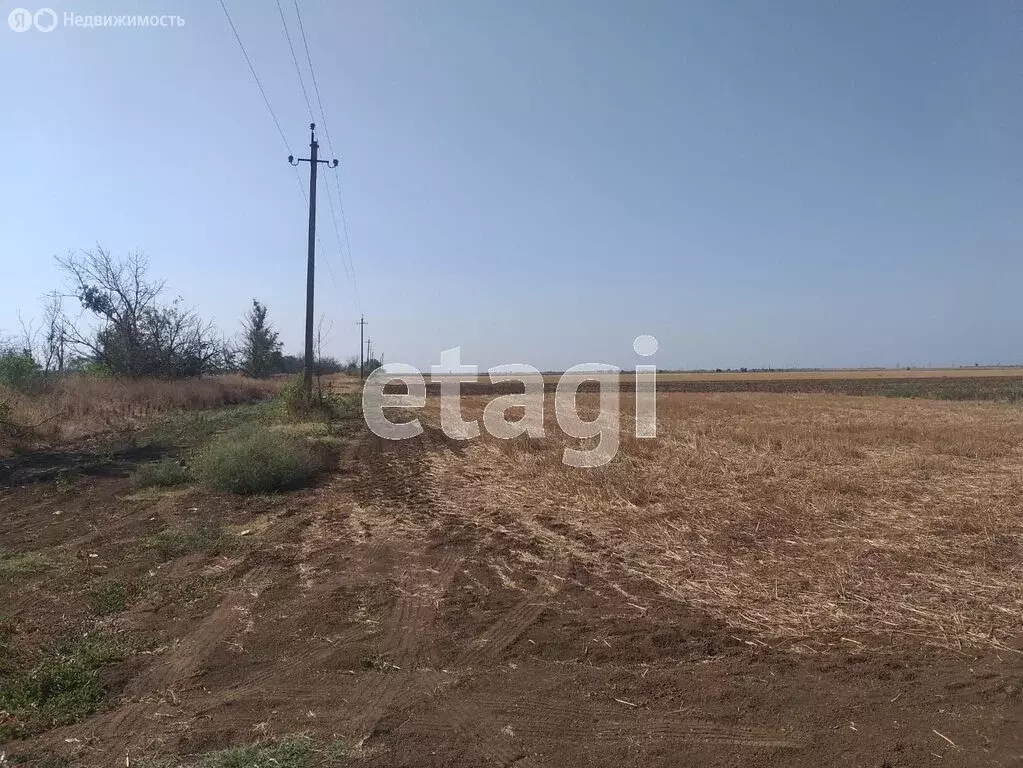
[383,609]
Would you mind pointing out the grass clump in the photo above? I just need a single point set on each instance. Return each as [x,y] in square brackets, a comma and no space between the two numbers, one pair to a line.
[111,596]
[8,653]
[293,751]
[160,474]
[23,564]
[64,686]
[252,459]
[209,537]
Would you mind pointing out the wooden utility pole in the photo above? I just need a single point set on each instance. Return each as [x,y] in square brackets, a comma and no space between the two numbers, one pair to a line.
[362,348]
[369,350]
[310,278]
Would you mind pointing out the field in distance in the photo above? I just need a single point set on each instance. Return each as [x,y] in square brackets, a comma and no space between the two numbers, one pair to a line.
[998,384]
[819,373]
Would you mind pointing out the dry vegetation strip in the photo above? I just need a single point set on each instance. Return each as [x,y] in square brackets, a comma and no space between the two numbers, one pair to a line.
[73,407]
[803,519]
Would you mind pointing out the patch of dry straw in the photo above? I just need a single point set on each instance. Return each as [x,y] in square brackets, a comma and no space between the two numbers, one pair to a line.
[800,519]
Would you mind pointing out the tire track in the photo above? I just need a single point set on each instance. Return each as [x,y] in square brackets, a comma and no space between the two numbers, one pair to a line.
[502,633]
[536,721]
[404,631]
[482,731]
[186,658]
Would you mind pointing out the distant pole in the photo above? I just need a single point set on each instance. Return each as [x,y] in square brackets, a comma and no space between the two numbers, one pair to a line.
[362,347]
[310,278]
[369,350]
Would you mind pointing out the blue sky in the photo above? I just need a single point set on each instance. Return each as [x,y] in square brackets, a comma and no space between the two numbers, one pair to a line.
[754,183]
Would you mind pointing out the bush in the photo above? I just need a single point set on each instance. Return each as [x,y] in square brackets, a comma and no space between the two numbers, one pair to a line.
[19,371]
[160,474]
[292,397]
[252,459]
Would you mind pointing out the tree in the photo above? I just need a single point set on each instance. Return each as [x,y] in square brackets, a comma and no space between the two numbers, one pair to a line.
[18,369]
[261,347]
[292,364]
[138,335]
[351,365]
[56,332]
[324,366]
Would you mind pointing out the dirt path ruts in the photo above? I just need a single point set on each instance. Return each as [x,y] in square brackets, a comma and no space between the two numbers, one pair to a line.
[390,615]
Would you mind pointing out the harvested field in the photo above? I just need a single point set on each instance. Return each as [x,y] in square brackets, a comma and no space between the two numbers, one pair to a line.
[848,374]
[798,580]
[803,519]
[999,385]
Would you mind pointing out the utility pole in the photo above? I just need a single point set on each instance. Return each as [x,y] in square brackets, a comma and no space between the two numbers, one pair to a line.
[310,279]
[362,348]
[369,350]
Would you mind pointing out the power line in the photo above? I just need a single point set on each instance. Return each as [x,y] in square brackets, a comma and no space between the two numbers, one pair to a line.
[312,118]
[330,145]
[255,77]
[294,58]
[277,124]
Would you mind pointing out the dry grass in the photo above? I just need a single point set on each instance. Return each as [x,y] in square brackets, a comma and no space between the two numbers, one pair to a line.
[79,406]
[799,519]
[341,383]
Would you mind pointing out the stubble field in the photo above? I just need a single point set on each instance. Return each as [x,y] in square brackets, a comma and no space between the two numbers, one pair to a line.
[792,579]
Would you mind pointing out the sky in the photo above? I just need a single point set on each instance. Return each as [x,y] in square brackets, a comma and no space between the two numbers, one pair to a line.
[786,184]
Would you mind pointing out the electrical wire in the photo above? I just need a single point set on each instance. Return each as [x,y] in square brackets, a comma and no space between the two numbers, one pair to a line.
[330,146]
[277,124]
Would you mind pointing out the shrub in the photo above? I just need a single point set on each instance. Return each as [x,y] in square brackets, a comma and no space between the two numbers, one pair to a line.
[292,397]
[19,371]
[160,474]
[252,459]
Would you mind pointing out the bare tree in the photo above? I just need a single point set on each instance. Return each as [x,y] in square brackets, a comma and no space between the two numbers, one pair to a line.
[28,343]
[138,335]
[56,331]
